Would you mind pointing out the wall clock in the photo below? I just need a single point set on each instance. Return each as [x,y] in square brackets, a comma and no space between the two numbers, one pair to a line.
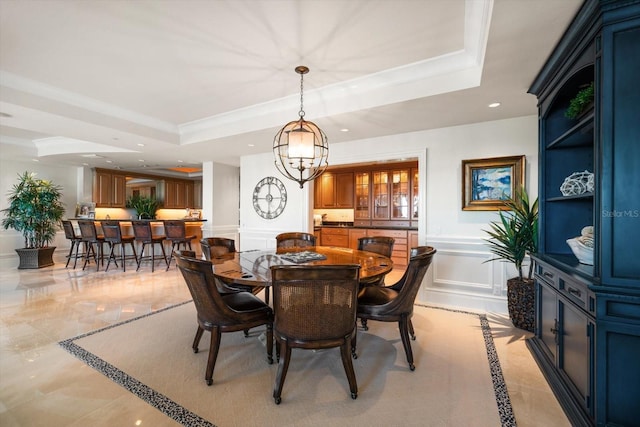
[269,197]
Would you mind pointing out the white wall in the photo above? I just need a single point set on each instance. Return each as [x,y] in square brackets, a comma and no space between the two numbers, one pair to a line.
[458,276]
[220,197]
[257,232]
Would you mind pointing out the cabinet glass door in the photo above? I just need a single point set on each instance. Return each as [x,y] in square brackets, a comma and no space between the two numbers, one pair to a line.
[400,194]
[381,195]
[362,195]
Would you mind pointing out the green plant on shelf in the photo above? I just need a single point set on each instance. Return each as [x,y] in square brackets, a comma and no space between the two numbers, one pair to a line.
[580,102]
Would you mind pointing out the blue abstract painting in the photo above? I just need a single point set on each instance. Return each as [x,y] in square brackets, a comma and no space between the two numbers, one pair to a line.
[491,183]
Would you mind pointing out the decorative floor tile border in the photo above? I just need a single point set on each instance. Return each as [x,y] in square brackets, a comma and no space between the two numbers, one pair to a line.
[185,417]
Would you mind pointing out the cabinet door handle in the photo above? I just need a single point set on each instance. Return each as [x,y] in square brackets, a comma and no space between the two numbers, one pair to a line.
[575,292]
[554,330]
[547,274]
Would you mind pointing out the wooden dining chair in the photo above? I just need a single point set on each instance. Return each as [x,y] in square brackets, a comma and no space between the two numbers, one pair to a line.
[295,240]
[314,308]
[381,245]
[213,247]
[238,311]
[395,303]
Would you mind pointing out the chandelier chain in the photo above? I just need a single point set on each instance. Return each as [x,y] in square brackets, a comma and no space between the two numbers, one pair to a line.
[301,112]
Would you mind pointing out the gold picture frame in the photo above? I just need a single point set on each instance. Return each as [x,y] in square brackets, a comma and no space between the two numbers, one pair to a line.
[487,183]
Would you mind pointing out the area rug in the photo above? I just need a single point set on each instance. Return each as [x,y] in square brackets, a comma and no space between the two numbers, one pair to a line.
[457,382]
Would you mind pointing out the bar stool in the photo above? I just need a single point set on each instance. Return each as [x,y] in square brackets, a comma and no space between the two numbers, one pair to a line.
[76,241]
[176,232]
[143,234]
[113,236]
[90,237]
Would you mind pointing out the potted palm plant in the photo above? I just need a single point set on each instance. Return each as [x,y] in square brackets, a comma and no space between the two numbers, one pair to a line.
[146,207]
[36,210]
[511,239]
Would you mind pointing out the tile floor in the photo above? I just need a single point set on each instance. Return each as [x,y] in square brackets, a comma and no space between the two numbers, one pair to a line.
[42,385]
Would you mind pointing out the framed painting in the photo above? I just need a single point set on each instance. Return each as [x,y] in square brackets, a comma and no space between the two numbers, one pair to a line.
[487,183]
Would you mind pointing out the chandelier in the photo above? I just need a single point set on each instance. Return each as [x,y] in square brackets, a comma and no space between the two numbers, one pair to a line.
[301,148]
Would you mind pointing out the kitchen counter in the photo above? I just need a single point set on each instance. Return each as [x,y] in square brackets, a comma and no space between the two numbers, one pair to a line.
[133,219]
[385,227]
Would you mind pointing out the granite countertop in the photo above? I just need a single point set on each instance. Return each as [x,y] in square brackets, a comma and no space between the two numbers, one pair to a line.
[351,225]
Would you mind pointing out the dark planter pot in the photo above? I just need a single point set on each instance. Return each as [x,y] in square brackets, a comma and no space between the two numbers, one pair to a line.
[36,257]
[521,303]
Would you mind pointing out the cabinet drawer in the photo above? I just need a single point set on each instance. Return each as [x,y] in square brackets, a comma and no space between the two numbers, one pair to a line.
[547,274]
[576,292]
[335,231]
[396,234]
[335,240]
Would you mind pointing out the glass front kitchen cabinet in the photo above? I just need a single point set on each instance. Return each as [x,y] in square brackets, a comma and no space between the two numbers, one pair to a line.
[362,206]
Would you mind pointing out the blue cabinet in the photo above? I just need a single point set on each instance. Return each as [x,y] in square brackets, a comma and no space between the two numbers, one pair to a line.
[587,339]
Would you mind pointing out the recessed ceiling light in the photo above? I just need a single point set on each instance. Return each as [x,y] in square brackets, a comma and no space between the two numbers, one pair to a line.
[35,160]
[140,145]
[494,105]
[344,130]
[251,145]
[141,160]
[85,164]
[180,161]
[109,161]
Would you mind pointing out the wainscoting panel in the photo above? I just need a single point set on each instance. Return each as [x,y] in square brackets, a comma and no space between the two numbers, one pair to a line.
[461,277]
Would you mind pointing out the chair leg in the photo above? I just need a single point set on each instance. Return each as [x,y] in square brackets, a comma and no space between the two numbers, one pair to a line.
[266,295]
[345,352]
[135,256]
[173,245]
[404,334]
[164,254]
[363,322]
[75,260]
[354,339]
[213,354]
[283,367]
[196,340]
[112,255]
[141,256]
[70,253]
[88,253]
[270,343]
[411,331]
[153,256]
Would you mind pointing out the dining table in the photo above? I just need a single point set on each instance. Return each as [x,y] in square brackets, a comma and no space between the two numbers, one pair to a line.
[253,268]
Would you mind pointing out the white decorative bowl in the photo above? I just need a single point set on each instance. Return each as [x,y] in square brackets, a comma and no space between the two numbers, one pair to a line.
[582,252]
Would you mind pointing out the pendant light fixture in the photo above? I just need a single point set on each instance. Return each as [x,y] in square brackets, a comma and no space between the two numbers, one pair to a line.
[301,148]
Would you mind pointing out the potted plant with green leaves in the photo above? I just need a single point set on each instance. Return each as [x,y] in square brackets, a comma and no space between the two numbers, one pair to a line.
[35,210]
[580,103]
[146,207]
[511,239]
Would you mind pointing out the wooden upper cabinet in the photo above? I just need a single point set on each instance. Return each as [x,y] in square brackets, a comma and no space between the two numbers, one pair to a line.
[344,190]
[179,194]
[334,190]
[109,189]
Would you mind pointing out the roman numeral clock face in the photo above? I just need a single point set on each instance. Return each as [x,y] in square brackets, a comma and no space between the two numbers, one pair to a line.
[269,197]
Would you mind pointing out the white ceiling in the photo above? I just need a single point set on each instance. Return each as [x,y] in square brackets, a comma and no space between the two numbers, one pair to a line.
[197,80]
